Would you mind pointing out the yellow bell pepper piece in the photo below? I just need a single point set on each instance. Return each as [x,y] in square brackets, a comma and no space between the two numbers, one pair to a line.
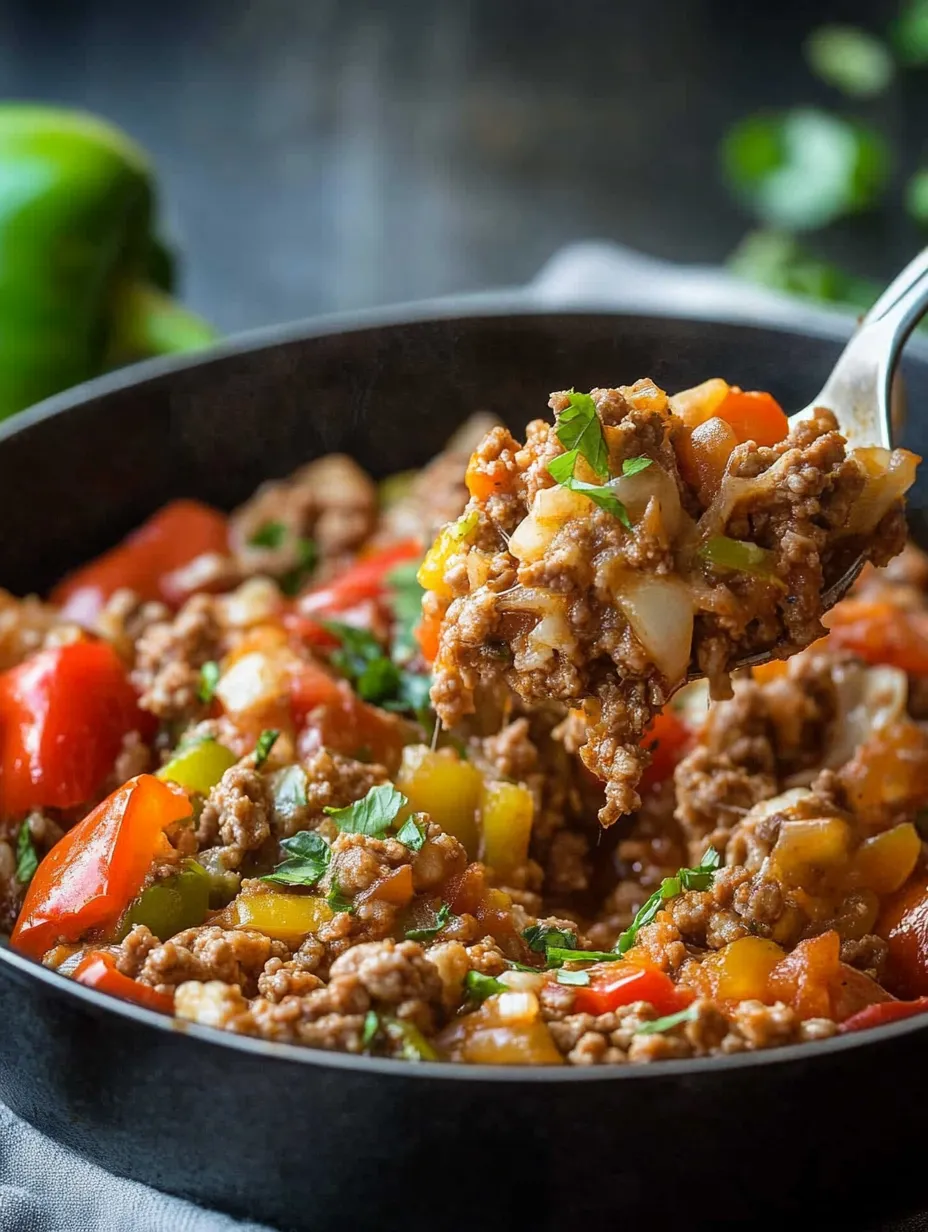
[449,789]
[884,862]
[199,767]
[285,917]
[506,811]
[743,968]
[815,843]
[448,542]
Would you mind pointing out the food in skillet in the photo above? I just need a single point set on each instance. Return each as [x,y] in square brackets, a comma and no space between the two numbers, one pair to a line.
[223,794]
[639,534]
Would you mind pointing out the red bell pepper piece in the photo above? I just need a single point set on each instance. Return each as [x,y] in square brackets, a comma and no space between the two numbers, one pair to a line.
[309,632]
[365,579]
[885,1011]
[620,983]
[754,415]
[668,738]
[92,874]
[99,971]
[145,560]
[63,715]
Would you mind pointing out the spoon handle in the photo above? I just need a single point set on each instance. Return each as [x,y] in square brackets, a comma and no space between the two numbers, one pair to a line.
[859,389]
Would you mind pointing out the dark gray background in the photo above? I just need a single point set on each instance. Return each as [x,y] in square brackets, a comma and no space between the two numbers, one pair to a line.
[326,154]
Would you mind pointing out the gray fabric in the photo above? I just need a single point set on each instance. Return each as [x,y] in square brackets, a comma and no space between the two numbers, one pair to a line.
[46,1188]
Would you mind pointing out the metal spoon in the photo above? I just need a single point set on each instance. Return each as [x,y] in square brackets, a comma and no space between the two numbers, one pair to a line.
[859,389]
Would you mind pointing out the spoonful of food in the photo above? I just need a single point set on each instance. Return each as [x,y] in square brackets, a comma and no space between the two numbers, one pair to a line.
[643,540]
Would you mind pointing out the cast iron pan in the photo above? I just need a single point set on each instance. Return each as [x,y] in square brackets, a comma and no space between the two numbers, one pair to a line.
[309,1140]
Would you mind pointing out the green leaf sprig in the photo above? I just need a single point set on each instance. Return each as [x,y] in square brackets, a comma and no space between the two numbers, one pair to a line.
[373,815]
[27,858]
[698,878]
[308,859]
[428,931]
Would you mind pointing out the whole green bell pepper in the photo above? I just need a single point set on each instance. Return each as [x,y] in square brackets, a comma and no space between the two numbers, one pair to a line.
[84,281]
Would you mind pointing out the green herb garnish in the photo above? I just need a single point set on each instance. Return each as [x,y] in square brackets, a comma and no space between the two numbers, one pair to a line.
[411,834]
[634,466]
[269,535]
[209,679]
[413,1044]
[541,937]
[556,956]
[266,742]
[572,977]
[27,858]
[371,1029]
[373,815]
[442,916]
[698,878]
[479,987]
[309,857]
[667,1023]
[375,677]
[307,554]
[406,594]
[580,432]
[562,469]
[338,901]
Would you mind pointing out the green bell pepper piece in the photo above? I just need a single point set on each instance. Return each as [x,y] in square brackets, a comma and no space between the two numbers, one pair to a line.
[173,904]
[82,274]
[198,767]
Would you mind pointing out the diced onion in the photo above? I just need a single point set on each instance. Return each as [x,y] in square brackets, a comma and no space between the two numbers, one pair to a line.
[558,504]
[653,483]
[254,682]
[889,477]
[255,601]
[515,1007]
[660,612]
[530,540]
[696,405]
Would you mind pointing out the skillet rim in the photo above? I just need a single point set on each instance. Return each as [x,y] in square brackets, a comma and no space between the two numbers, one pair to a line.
[824,324]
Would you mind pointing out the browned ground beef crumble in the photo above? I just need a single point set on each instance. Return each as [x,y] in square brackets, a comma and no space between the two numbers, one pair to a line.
[783,775]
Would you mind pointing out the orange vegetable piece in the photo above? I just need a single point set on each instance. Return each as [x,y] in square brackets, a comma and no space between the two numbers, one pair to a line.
[91,875]
[804,979]
[396,887]
[754,416]
[668,738]
[903,924]
[879,632]
[99,971]
[703,454]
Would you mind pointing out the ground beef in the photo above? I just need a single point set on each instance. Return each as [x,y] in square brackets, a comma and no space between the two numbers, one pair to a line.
[169,657]
[234,956]
[331,502]
[237,814]
[125,617]
[25,625]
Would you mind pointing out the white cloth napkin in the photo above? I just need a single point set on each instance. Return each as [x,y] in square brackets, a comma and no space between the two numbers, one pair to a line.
[45,1187]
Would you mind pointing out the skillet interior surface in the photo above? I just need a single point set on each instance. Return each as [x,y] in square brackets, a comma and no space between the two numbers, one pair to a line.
[320,1146]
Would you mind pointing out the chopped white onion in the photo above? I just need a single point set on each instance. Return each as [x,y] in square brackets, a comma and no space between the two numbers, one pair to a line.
[660,612]
[869,699]
[253,682]
[635,491]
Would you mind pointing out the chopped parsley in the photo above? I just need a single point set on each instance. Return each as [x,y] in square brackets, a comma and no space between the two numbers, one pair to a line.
[376,678]
[269,535]
[426,933]
[698,878]
[580,432]
[307,557]
[541,937]
[371,1029]
[209,678]
[308,859]
[290,791]
[556,956]
[338,901]
[411,834]
[266,742]
[406,593]
[572,977]
[27,858]
[479,987]
[562,469]
[373,815]
[667,1023]
[634,466]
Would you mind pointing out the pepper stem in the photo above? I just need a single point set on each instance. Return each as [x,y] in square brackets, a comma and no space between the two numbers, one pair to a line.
[147,322]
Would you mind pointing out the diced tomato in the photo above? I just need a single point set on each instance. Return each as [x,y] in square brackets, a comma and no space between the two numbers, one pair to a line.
[621,983]
[328,713]
[312,686]
[807,977]
[144,561]
[754,416]
[63,715]
[91,875]
[881,633]
[365,579]
[99,971]
[903,925]
[886,1011]
[668,738]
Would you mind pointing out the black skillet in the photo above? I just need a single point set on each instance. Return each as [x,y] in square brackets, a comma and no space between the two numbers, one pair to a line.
[828,1132]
